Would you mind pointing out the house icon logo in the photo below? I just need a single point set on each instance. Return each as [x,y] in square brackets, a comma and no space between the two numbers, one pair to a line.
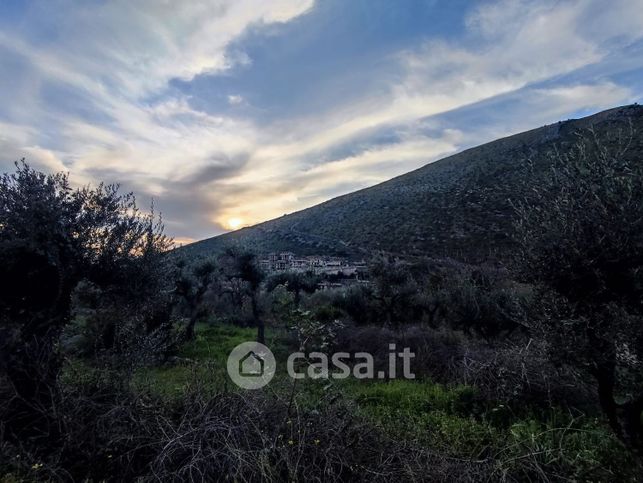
[251,365]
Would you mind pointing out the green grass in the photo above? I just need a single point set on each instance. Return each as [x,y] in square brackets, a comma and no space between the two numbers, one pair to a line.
[203,361]
[214,342]
[425,412]
[410,396]
[450,420]
[447,419]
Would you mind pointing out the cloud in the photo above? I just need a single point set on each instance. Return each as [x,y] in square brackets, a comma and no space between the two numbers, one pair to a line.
[569,98]
[510,47]
[135,48]
[235,99]
[116,60]
[98,97]
[277,195]
[15,145]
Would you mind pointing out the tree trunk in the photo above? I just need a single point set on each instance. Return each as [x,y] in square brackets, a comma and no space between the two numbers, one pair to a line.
[605,379]
[261,329]
[261,332]
[189,330]
[633,423]
[432,315]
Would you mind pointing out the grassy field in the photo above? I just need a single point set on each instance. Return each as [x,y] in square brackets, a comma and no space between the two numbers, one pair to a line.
[448,419]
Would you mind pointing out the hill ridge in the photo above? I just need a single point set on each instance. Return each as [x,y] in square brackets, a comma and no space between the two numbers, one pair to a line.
[426,220]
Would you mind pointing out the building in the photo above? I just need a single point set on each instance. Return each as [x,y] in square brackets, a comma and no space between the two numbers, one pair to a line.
[320,265]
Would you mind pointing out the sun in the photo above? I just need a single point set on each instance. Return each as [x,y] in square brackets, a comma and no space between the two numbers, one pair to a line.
[235,223]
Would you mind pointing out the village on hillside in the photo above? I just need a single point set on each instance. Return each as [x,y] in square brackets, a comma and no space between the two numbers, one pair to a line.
[317,264]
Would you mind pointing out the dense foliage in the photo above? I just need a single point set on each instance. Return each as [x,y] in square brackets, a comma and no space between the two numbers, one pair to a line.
[581,237]
[52,238]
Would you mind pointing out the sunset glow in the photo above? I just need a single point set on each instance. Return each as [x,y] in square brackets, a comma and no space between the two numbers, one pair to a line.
[235,223]
[216,108]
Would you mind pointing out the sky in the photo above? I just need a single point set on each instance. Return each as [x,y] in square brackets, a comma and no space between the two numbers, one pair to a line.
[226,113]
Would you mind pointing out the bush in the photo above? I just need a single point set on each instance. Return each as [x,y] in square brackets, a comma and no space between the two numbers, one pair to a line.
[516,373]
[109,330]
[113,434]
[481,300]
[357,302]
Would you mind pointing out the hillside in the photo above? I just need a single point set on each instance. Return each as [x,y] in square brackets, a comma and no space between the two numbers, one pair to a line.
[458,206]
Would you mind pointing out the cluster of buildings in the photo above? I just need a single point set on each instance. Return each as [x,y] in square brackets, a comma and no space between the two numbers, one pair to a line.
[320,265]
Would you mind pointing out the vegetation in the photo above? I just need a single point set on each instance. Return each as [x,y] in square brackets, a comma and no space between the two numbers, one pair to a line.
[191,289]
[294,282]
[581,237]
[114,346]
[56,242]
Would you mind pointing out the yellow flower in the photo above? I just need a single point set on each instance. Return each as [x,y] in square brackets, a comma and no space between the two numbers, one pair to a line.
[291,442]
[316,441]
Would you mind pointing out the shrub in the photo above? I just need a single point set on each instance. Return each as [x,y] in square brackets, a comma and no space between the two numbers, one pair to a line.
[481,300]
[516,373]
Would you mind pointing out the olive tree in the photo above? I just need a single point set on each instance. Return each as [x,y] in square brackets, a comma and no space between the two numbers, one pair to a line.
[192,285]
[240,268]
[580,241]
[295,283]
[52,237]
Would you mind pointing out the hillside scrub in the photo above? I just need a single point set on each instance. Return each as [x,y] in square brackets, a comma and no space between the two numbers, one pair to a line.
[457,207]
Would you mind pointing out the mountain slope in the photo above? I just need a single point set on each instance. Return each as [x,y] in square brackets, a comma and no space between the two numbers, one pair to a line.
[458,206]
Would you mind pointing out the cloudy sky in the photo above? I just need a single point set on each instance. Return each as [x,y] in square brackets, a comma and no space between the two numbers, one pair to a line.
[230,112]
